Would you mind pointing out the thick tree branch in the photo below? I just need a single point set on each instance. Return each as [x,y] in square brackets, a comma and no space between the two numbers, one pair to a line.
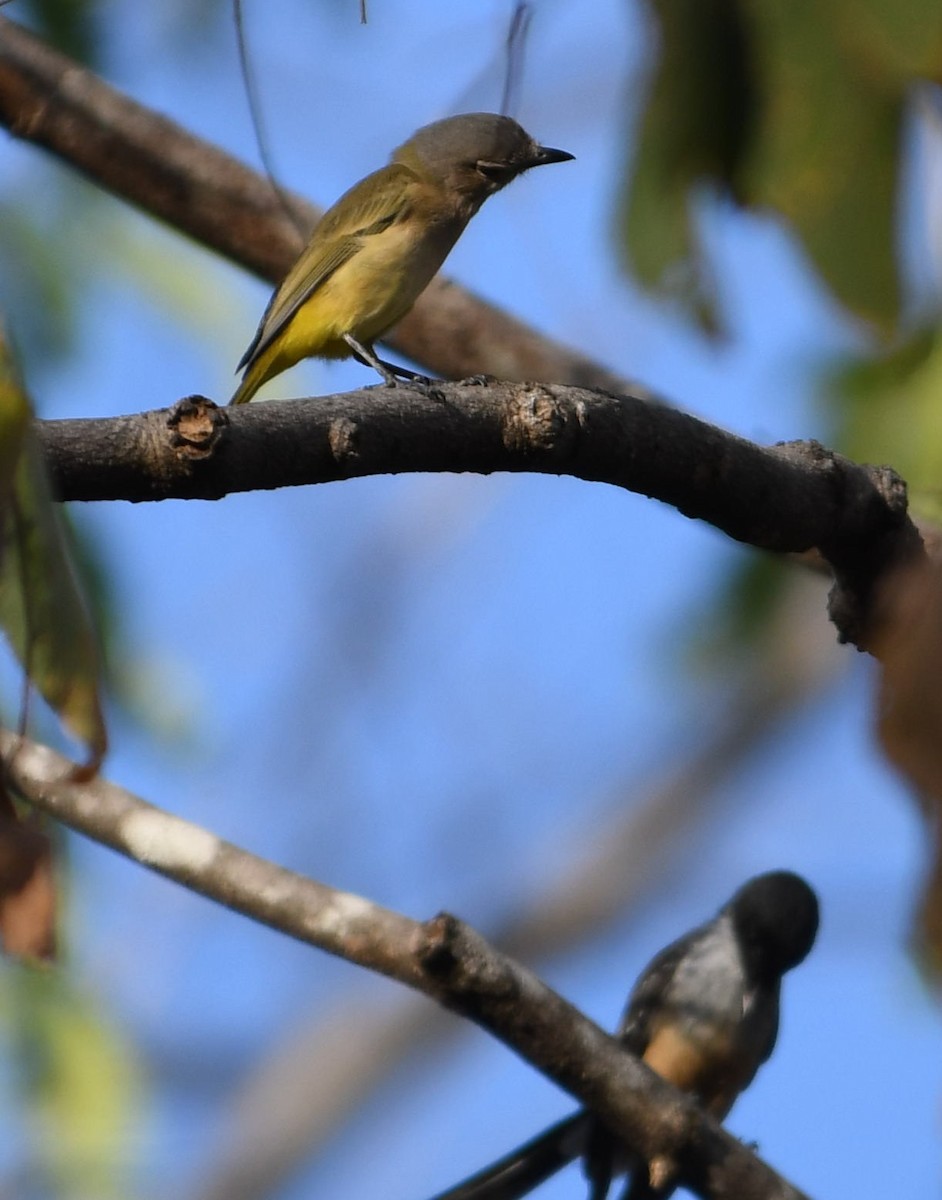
[788,498]
[443,958]
[54,102]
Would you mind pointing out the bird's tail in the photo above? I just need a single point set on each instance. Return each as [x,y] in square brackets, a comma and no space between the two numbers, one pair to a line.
[252,380]
[528,1166]
[641,1186]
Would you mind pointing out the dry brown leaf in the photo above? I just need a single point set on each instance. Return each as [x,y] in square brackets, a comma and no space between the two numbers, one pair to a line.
[910,721]
[42,605]
[27,888]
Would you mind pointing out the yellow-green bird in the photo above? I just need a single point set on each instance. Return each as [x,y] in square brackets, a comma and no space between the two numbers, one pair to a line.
[374,252]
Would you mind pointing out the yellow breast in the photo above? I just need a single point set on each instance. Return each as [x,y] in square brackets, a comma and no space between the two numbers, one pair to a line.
[370,292]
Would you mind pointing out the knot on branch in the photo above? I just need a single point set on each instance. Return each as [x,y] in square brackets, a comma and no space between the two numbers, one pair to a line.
[195,425]
[468,974]
[876,540]
[437,951]
[343,439]
[537,421]
[873,536]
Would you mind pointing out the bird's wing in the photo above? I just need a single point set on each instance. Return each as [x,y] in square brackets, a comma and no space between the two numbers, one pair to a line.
[635,1031]
[364,210]
[647,997]
[526,1167]
[771,1033]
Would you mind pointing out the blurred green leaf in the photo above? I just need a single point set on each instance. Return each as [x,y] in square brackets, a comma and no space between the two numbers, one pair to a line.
[746,608]
[692,132]
[81,1082]
[42,609]
[15,417]
[42,268]
[889,412]
[902,38]
[794,107]
[826,151]
[68,25]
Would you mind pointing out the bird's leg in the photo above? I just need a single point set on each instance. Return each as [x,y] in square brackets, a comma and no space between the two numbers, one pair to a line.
[426,385]
[365,355]
[389,371]
[404,372]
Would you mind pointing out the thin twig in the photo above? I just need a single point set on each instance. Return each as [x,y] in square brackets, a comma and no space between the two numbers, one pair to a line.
[262,141]
[515,46]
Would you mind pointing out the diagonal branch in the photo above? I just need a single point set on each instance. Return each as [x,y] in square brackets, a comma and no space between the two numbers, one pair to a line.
[442,958]
[192,185]
[323,1069]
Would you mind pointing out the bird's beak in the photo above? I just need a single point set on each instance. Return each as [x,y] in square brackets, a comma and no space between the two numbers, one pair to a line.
[546,154]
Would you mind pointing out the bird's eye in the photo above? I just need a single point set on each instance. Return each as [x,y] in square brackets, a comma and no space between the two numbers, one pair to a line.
[496,172]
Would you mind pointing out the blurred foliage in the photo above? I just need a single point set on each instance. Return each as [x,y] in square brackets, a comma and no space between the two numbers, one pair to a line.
[40,280]
[48,274]
[42,607]
[15,416]
[78,1085]
[69,25]
[767,621]
[744,610]
[694,130]
[46,269]
[888,409]
[910,717]
[29,885]
[797,108]
[77,27]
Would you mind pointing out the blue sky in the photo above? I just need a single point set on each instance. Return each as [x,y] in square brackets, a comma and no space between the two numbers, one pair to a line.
[428,689]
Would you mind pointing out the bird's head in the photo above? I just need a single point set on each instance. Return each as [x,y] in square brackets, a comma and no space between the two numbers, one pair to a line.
[776,920]
[475,154]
